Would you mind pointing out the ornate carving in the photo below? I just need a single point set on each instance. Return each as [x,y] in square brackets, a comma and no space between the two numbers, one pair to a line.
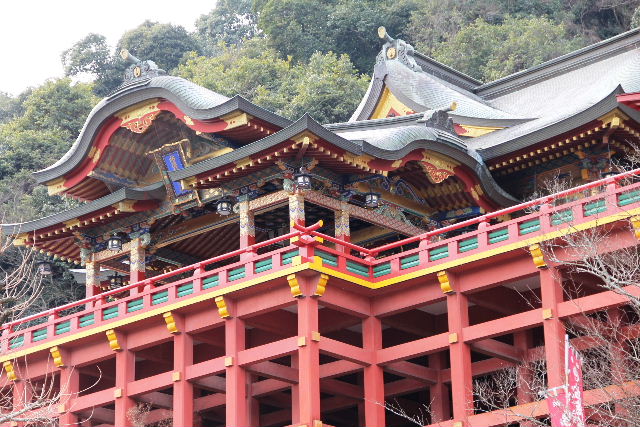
[445,284]
[322,285]
[439,119]
[171,322]
[57,357]
[10,371]
[139,117]
[538,256]
[139,69]
[294,286]
[396,50]
[223,310]
[113,340]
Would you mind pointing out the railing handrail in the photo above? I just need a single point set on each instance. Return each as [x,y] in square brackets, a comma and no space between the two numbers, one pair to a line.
[300,229]
[485,217]
[53,311]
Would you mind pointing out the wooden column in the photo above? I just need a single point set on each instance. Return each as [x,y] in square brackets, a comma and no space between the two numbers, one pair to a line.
[236,376]
[523,341]
[342,230]
[137,262]
[70,388]
[21,395]
[296,208]
[125,374]
[295,393]
[374,398]
[620,358]
[182,389]
[460,354]
[554,331]
[439,392]
[92,280]
[308,352]
[247,228]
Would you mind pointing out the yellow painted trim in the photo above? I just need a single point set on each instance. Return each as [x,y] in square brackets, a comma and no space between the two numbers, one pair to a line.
[318,266]
[475,257]
[475,131]
[388,101]
[155,312]
[236,119]
[56,186]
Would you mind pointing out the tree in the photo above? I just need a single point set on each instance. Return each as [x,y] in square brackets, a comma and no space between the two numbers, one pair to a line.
[89,55]
[165,44]
[494,51]
[328,87]
[231,22]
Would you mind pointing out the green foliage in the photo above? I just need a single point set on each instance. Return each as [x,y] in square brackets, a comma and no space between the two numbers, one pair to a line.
[490,51]
[58,105]
[89,55]
[165,44]
[327,87]
[231,22]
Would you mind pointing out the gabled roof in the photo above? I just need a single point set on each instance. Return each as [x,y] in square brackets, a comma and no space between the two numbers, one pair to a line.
[531,105]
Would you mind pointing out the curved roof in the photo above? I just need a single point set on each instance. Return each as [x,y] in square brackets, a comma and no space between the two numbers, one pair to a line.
[387,144]
[153,192]
[195,101]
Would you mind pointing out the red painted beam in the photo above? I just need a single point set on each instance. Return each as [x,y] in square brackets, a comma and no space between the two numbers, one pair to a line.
[413,349]
[269,351]
[494,348]
[347,352]
[206,368]
[413,371]
[150,384]
[275,371]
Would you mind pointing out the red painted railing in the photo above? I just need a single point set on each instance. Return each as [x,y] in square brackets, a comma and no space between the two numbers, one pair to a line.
[620,195]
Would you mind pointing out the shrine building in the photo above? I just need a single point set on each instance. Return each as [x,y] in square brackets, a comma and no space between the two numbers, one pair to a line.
[246,270]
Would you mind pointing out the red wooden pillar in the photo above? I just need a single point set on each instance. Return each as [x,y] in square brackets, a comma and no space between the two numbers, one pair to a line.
[137,262]
[374,398]
[439,393]
[125,374]
[295,393]
[247,228]
[523,341]
[460,355]
[236,392]
[182,389]
[620,369]
[69,390]
[554,331]
[21,395]
[308,352]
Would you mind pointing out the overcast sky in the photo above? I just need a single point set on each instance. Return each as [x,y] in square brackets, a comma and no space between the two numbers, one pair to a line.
[33,33]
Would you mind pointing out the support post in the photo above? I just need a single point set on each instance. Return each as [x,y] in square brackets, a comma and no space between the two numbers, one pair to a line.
[247,228]
[296,209]
[137,262]
[554,331]
[342,230]
[460,354]
[92,282]
[125,374]
[523,341]
[374,397]
[182,389]
[439,393]
[237,414]
[308,352]
[69,387]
